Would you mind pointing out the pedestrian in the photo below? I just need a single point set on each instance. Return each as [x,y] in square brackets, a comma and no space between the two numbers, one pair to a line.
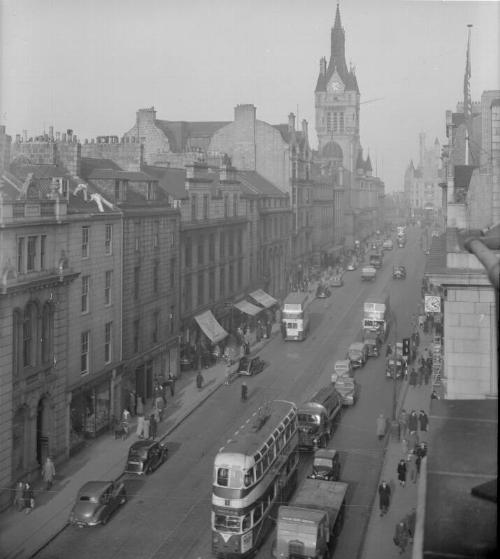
[244,391]
[140,426]
[384,497]
[157,415]
[199,380]
[411,467]
[381,426]
[404,447]
[48,473]
[434,395]
[403,423]
[401,536]
[413,422]
[171,383]
[140,405]
[411,521]
[28,498]
[159,405]
[423,419]
[413,377]
[18,496]
[132,403]
[401,469]
[146,425]
[153,426]
[388,350]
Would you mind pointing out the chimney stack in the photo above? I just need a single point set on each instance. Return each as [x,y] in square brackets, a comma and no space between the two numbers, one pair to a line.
[291,122]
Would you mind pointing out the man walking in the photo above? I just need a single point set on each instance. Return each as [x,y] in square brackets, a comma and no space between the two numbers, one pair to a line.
[384,495]
[48,472]
[423,420]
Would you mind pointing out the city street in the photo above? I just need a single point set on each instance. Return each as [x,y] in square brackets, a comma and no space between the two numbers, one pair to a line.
[168,514]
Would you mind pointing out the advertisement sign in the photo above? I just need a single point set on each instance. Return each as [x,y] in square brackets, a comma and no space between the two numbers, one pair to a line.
[432,303]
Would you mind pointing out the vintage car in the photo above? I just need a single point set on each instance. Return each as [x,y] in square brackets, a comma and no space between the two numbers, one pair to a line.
[336,281]
[398,272]
[250,366]
[342,367]
[368,273]
[323,292]
[373,344]
[396,367]
[357,354]
[326,465]
[96,502]
[348,390]
[145,457]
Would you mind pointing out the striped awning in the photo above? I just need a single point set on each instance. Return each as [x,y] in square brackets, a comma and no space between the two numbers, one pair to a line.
[247,307]
[211,328]
[263,298]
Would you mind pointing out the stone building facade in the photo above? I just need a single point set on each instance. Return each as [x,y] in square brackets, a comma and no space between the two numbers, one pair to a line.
[5,143]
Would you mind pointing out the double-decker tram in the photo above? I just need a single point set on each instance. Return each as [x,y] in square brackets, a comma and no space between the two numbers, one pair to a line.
[254,473]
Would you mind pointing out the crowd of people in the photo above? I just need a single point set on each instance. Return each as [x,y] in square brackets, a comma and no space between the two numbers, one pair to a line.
[24,495]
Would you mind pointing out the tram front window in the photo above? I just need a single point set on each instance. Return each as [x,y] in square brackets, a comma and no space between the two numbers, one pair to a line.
[227,523]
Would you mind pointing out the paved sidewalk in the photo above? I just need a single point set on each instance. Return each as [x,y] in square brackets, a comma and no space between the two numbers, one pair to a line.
[378,542]
[22,535]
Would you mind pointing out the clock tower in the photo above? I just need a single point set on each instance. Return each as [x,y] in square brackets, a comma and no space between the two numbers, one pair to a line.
[337,105]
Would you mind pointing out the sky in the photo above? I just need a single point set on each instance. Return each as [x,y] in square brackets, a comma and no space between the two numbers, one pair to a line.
[89,65]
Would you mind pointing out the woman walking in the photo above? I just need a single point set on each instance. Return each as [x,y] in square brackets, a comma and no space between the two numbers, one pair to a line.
[402,472]
[48,473]
[28,498]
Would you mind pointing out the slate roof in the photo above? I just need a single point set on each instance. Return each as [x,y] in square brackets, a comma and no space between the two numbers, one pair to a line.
[257,184]
[172,181]
[462,175]
[462,455]
[90,164]
[179,133]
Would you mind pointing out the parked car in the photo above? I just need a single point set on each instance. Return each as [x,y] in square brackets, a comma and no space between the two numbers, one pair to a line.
[337,281]
[326,465]
[347,389]
[343,367]
[96,501]
[398,272]
[388,244]
[250,366]
[323,292]
[357,354]
[145,457]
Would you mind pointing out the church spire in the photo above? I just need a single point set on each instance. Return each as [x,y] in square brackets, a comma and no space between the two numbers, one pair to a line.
[338,23]
[337,56]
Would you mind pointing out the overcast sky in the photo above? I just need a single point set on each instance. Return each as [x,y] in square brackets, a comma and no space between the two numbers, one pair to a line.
[90,64]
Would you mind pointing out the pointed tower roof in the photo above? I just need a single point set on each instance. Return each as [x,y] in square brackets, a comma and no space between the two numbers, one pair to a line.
[337,59]
[368,164]
[360,164]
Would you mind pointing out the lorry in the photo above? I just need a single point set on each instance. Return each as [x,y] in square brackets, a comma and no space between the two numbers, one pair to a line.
[316,418]
[377,315]
[376,259]
[368,273]
[295,316]
[310,524]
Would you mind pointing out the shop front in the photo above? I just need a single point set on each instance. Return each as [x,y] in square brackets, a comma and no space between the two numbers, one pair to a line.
[90,410]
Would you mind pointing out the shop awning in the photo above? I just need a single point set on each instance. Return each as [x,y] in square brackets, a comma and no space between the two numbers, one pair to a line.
[263,298]
[211,328]
[247,307]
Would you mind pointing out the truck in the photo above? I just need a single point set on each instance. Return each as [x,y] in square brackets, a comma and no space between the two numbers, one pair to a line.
[310,524]
[295,316]
[377,315]
[316,418]
[368,273]
[376,259]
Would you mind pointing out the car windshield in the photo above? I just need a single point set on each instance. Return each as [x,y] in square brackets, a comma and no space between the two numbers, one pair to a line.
[354,352]
[137,453]
[306,418]
[89,498]
[227,523]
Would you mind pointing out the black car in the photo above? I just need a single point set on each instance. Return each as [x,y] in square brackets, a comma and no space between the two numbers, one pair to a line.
[373,346]
[251,366]
[96,502]
[323,292]
[145,457]
[398,272]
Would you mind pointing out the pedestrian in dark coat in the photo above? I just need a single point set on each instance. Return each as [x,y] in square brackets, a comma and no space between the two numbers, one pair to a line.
[171,383]
[388,350]
[384,497]
[413,422]
[411,521]
[402,472]
[28,498]
[153,426]
[423,419]
[401,536]
[413,377]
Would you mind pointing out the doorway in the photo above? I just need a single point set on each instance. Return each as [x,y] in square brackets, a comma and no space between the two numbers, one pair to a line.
[42,430]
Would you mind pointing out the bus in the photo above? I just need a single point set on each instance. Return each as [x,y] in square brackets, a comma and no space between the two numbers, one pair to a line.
[295,316]
[254,473]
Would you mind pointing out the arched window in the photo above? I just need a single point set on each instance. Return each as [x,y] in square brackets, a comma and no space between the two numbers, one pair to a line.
[47,332]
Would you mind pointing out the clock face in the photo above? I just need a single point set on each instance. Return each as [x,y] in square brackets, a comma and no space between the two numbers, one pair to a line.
[335,86]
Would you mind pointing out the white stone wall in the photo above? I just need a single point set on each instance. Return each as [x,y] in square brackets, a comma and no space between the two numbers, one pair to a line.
[470,361]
